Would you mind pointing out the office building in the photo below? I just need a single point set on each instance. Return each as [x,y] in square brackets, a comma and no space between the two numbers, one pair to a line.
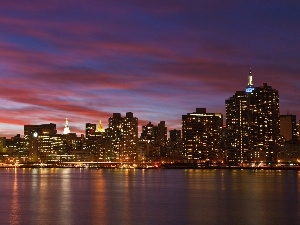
[253,124]
[201,134]
[122,137]
[37,140]
[156,137]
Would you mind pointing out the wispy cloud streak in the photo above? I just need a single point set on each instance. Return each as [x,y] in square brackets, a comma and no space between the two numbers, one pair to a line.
[160,59]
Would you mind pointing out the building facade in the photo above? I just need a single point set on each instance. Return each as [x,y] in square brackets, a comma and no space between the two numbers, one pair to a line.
[156,139]
[122,138]
[253,124]
[201,134]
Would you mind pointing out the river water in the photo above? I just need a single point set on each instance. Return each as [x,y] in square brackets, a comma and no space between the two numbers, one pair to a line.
[149,197]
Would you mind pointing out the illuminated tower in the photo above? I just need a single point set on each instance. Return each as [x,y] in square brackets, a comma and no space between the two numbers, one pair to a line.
[238,118]
[122,136]
[250,87]
[114,136]
[100,127]
[252,122]
[66,128]
[201,134]
[265,123]
[130,137]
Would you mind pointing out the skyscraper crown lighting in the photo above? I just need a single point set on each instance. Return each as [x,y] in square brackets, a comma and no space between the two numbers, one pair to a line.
[67,128]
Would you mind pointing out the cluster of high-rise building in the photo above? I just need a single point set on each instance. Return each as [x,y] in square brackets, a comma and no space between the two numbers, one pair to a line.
[255,132]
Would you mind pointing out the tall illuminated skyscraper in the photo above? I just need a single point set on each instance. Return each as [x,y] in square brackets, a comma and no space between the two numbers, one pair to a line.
[114,137]
[201,134]
[253,124]
[130,137]
[238,131]
[122,136]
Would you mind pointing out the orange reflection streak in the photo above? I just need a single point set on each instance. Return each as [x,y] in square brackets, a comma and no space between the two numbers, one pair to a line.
[42,193]
[100,201]
[65,202]
[15,205]
[126,212]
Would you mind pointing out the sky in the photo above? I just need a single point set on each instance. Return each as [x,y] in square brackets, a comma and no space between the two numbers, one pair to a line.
[85,60]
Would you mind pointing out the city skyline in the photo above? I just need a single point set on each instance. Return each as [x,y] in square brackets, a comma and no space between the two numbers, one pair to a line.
[87,60]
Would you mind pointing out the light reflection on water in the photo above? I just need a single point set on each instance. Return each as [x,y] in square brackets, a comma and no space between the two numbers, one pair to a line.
[245,197]
[129,197]
[15,206]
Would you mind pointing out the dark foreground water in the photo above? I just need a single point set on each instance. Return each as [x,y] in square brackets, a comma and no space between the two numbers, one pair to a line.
[149,197]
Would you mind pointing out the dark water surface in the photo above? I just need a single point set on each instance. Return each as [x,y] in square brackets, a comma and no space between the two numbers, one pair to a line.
[149,197]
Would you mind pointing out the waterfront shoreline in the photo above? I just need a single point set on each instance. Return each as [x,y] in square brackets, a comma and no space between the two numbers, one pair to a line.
[168,167]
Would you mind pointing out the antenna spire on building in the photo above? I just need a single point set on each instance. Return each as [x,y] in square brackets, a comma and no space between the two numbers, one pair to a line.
[250,82]
[250,86]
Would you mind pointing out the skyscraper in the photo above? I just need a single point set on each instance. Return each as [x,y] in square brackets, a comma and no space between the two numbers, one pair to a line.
[37,139]
[253,124]
[114,137]
[201,133]
[156,137]
[130,137]
[122,135]
[95,141]
[238,131]
[149,132]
